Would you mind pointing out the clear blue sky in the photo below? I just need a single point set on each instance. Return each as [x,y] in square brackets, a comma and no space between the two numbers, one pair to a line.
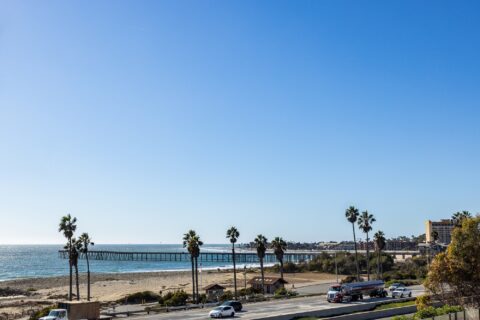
[147,118]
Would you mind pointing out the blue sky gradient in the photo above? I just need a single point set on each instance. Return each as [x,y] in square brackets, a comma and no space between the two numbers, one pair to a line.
[145,119]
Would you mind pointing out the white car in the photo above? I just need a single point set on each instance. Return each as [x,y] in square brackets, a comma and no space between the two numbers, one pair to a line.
[401,292]
[222,311]
[56,314]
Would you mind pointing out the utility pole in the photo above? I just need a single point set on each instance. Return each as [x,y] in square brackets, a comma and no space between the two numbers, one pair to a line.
[336,266]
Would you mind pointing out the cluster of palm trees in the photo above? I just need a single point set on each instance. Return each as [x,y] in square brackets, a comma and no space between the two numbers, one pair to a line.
[365,221]
[74,247]
[192,242]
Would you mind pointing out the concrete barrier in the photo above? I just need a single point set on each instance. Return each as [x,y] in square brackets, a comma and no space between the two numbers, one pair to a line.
[346,311]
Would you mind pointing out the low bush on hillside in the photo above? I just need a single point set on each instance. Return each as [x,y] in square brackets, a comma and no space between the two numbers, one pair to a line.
[174,299]
[140,297]
[430,312]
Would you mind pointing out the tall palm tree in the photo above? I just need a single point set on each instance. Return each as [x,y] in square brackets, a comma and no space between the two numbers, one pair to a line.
[352,214]
[261,245]
[380,243]
[85,242]
[279,247]
[232,235]
[189,243]
[365,221]
[435,236]
[77,246]
[196,251]
[68,226]
[459,216]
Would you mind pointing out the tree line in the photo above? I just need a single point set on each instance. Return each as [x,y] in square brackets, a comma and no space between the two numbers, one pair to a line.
[192,242]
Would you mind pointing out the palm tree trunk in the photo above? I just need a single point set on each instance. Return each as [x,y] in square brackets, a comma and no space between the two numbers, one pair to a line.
[193,279]
[356,253]
[234,272]
[88,277]
[281,268]
[196,279]
[70,261]
[263,275]
[76,282]
[378,264]
[368,260]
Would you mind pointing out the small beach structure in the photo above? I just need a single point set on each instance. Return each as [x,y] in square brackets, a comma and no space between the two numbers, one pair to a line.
[214,291]
[272,284]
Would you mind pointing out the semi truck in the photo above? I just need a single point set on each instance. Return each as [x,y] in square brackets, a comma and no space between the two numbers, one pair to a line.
[356,290]
[74,310]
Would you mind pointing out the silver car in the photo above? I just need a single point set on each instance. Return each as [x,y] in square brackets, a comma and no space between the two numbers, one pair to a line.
[401,292]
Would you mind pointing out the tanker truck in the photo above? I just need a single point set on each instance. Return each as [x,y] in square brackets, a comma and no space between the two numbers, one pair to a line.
[356,290]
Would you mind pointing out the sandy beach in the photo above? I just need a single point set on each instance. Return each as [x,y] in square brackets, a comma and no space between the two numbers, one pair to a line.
[108,288]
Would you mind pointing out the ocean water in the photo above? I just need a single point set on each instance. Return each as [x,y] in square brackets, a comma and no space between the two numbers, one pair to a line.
[28,261]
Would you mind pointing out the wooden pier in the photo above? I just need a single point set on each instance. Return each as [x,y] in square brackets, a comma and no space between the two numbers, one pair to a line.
[240,257]
[208,256]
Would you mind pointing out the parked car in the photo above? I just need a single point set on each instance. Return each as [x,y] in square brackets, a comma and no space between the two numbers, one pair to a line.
[237,306]
[395,286]
[401,292]
[222,311]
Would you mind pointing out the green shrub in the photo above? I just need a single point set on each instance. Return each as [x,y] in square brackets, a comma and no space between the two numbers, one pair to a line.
[422,302]
[174,299]
[140,297]
[427,312]
[402,318]
[227,295]
[41,313]
[281,292]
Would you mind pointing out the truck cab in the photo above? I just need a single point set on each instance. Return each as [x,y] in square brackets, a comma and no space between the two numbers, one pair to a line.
[56,314]
[334,293]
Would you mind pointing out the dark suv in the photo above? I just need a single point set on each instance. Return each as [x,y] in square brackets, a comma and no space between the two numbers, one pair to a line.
[237,306]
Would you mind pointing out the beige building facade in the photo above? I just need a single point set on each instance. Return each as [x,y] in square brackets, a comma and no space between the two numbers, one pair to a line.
[443,228]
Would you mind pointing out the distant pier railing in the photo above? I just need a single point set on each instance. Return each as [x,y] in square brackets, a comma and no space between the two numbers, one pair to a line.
[240,257]
[207,256]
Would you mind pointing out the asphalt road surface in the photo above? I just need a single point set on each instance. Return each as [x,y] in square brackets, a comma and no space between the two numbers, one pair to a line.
[269,308]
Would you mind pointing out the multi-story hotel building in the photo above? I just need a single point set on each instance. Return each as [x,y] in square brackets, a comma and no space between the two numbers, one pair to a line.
[443,228]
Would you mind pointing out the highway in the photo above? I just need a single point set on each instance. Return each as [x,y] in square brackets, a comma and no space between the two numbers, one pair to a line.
[270,308]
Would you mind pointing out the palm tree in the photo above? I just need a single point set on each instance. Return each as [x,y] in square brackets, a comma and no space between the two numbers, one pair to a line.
[261,245]
[365,221]
[68,226]
[380,243]
[189,243]
[279,247]
[435,236]
[197,244]
[77,246]
[459,216]
[352,214]
[233,235]
[85,242]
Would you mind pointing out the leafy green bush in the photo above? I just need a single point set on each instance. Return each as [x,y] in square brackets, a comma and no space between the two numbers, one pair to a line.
[140,297]
[281,292]
[227,295]
[249,291]
[41,313]
[430,311]
[174,299]
[348,279]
